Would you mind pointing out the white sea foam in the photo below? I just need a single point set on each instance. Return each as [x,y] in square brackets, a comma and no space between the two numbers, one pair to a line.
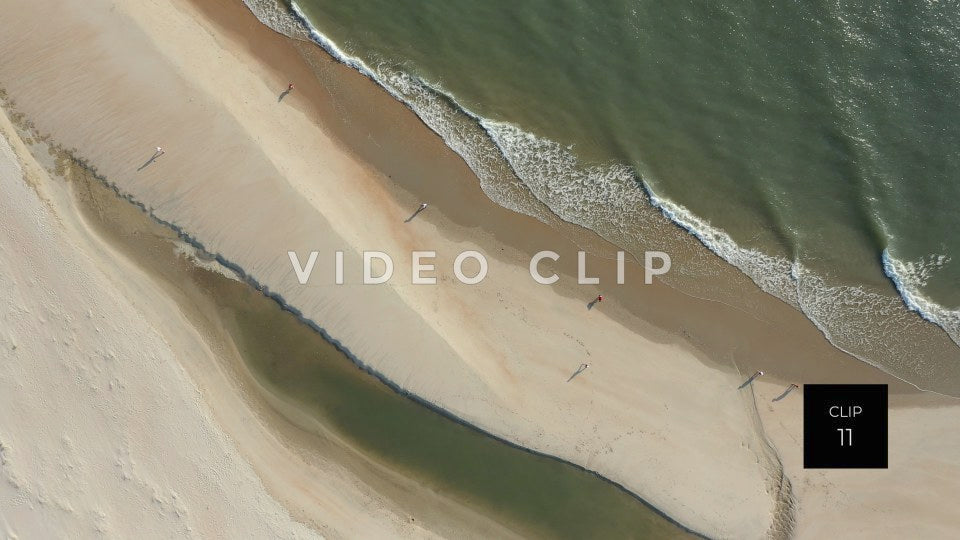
[271,14]
[440,112]
[869,325]
[517,170]
[910,277]
[605,198]
[462,133]
[772,274]
[875,328]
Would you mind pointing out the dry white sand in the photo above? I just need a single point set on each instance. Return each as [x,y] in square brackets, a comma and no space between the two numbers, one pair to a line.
[251,180]
[117,419]
[101,432]
[915,497]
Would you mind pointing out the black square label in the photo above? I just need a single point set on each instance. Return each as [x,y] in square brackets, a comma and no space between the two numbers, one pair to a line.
[844,426]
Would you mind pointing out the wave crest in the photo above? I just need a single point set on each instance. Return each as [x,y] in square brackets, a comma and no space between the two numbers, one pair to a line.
[910,277]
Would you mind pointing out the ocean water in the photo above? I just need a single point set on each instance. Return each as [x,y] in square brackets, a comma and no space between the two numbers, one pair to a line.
[814,145]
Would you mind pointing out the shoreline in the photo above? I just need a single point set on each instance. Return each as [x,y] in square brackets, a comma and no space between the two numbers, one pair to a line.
[892,303]
[657,323]
[421,184]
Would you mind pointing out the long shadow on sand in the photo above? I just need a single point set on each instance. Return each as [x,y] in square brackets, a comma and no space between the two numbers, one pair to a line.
[148,162]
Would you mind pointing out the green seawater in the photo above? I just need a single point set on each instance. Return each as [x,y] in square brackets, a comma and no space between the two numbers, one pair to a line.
[822,134]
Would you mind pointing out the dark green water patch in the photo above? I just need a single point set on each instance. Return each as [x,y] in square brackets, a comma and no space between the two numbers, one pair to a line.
[544,495]
[535,495]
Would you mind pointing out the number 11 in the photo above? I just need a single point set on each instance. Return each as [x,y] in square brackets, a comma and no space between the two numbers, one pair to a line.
[848,440]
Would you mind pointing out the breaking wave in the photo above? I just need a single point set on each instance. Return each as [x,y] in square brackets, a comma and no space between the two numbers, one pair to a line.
[909,278]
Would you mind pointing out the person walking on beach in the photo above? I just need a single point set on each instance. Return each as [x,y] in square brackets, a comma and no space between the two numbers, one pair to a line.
[789,389]
[759,373]
[599,298]
[153,158]
[423,206]
[285,92]
[579,370]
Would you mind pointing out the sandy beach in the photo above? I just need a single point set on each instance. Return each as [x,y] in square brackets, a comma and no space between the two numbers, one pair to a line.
[184,392]
[100,434]
[338,165]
